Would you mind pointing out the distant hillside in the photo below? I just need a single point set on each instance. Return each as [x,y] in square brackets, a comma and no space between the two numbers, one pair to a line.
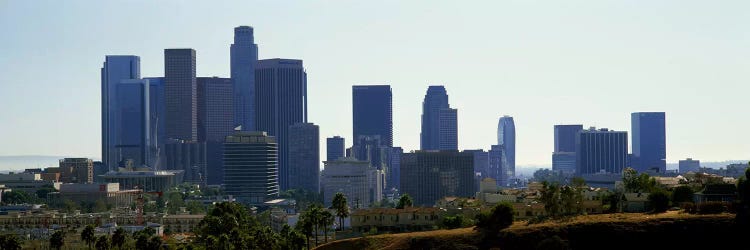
[19,163]
[670,230]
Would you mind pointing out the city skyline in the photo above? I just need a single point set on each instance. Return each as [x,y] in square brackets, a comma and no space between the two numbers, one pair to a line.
[33,106]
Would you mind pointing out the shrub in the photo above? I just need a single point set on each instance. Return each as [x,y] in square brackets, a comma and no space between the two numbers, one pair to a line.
[711,207]
[501,216]
[659,201]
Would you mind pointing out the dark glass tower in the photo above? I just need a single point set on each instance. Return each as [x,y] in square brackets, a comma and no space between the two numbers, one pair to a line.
[304,157]
[114,70]
[156,116]
[428,176]
[649,141]
[180,94]
[601,151]
[564,156]
[215,121]
[372,112]
[439,121]
[244,57]
[281,88]
[335,148]
[251,167]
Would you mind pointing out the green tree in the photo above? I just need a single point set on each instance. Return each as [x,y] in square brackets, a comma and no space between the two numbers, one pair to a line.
[326,220]
[87,235]
[119,238]
[222,219]
[44,190]
[17,197]
[451,222]
[102,243]
[57,240]
[10,242]
[550,196]
[293,239]
[659,201]
[743,191]
[682,194]
[195,207]
[306,227]
[500,217]
[313,214]
[635,183]
[342,208]
[404,201]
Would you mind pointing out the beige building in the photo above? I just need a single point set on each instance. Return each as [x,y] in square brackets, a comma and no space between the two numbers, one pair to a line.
[21,221]
[396,220]
[91,192]
[76,170]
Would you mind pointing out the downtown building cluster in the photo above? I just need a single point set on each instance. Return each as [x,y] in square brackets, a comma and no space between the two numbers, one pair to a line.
[250,133]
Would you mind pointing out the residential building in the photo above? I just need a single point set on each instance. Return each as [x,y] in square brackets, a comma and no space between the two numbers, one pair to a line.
[360,183]
[251,167]
[439,121]
[76,170]
[601,151]
[304,157]
[396,220]
[335,148]
[180,94]
[649,142]
[372,112]
[244,58]
[281,101]
[689,165]
[215,122]
[428,176]
[564,154]
[506,137]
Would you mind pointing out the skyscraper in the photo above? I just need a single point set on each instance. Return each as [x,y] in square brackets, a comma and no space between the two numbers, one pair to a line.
[281,91]
[180,94]
[393,177]
[372,112]
[304,157]
[601,151]
[360,183]
[215,121]
[251,167]
[428,176]
[335,148]
[76,170]
[481,161]
[157,112]
[649,141]
[131,122]
[244,57]
[189,157]
[498,165]
[564,156]
[114,70]
[506,137]
[439,121]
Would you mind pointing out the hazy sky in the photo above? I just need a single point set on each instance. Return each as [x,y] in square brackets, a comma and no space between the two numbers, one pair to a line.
[543,62]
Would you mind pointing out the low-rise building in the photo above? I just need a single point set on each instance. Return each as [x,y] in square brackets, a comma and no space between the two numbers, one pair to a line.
[396,220]
[149,181]
[28,221]
[634,202]
[27,182]
[92,192]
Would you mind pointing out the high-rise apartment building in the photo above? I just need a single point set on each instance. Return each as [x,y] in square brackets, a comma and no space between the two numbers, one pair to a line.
[506,137]
[335,148]
[428,176]
[601,151]
[215,121]
[439,121]
[244,57]
[281,101]
[372,112]
[180,94]
[251,167]
[304,157]
[649,141]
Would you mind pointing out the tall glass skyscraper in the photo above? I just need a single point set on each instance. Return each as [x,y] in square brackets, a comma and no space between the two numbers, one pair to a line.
[439,121]
[180,94]
[281,88]
[304,157]
[215,122]
[244,57]
[601,151]
[335,148]
[372,112]
[125,112]
[506,137]
[649,141]
[157,112]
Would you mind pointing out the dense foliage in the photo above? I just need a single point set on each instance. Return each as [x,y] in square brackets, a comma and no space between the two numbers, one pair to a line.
[658,200]
[500,217]
[404,201]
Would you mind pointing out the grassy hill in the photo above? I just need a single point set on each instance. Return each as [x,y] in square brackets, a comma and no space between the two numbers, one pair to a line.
[671,230]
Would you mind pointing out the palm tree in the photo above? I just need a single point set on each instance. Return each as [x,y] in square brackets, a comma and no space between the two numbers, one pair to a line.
[315,212]
[326,219]
[88,235]
[342,208]
[118,238]
[102,243]
[305,226]
[57,240]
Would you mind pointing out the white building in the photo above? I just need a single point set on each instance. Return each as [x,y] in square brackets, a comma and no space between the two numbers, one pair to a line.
[360,183]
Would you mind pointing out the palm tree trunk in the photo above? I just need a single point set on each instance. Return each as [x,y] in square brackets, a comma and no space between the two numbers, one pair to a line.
[308,241]
[325,233]
[316,234]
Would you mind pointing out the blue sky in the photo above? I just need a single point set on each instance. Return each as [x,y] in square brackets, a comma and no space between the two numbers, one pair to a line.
[543,62]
